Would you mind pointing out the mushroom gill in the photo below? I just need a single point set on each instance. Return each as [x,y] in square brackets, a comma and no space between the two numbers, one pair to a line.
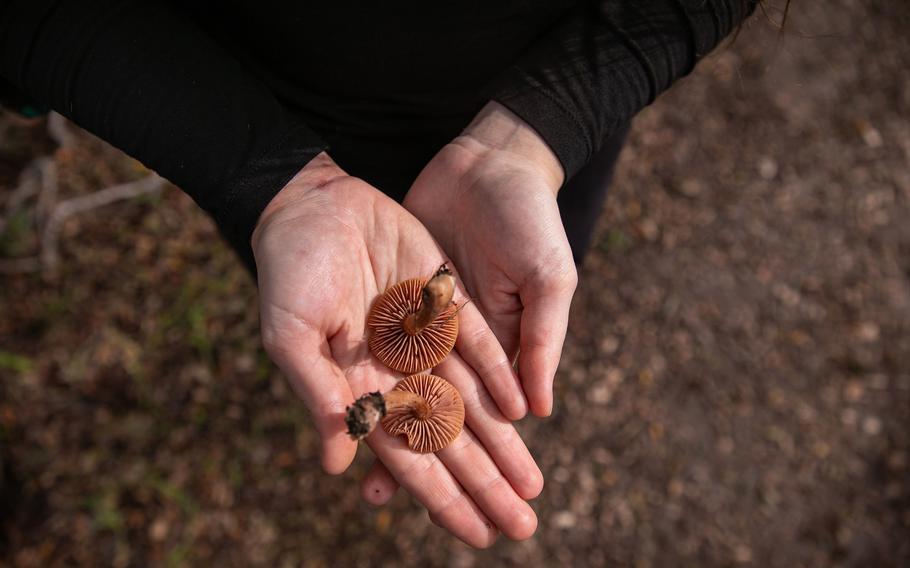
[414,324]
[430,428]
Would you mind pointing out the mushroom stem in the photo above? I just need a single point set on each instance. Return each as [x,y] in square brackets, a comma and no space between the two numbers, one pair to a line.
[436,296]
[366,412]
[404,399]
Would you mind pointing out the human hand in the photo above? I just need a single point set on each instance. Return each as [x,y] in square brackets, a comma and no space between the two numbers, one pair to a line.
[489,199]
[326,246]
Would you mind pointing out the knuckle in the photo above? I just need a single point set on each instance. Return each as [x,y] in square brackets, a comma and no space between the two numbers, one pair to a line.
[497,482]
[564,279]
[460,443]
[478,402]
[572,277]
[479,335]
[455,498]
[493,368]
[555,276]
[486,354]
[419,468]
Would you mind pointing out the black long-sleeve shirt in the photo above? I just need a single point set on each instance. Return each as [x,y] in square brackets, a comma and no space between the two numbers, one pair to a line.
[230,99]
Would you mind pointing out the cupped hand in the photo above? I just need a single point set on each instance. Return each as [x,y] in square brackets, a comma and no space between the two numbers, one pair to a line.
[326,246]
[489,199]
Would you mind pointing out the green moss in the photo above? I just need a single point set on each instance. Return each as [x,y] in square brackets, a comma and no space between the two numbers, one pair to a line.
[16,363]
[13,241]
[615,241]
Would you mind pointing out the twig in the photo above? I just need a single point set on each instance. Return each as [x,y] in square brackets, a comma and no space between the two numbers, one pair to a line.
[47,192]
[58,129]
[50,257]
[40,178]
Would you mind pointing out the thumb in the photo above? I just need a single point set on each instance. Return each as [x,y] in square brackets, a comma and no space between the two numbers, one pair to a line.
[319,381]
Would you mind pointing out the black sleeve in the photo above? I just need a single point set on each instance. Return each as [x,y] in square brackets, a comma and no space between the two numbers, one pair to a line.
[144,77]
[605,61]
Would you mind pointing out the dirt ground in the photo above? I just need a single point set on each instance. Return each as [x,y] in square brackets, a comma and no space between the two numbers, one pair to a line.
[734,390]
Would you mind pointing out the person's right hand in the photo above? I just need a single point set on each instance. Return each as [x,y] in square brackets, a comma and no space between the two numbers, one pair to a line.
[325,247]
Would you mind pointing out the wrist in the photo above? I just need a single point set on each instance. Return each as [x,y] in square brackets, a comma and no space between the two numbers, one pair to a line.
[498,131]
[318,172]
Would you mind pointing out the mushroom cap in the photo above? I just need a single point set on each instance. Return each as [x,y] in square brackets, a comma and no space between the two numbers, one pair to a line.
[444,423]
[395,347]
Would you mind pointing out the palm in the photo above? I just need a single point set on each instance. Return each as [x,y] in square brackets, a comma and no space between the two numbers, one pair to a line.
[322,261]
[493,242]
[334,263]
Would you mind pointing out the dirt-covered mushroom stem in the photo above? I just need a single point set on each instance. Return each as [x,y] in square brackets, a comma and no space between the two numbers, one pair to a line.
[427,410]
[369,409]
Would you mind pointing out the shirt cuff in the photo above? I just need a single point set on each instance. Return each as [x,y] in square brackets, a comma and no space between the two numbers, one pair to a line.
[248,193]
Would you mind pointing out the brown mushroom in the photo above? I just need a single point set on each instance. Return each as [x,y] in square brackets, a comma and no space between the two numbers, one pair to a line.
[426,409]
[414,324]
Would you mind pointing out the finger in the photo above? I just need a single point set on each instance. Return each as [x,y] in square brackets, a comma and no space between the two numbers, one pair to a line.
[426,478]
[304,356]
[543,331]
[475,470]
[505,328]
[480,349]
[501,308]
[495,432]
[378,486]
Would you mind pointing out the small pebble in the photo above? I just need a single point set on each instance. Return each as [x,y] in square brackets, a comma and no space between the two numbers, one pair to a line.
[872,137]
[767,168]
[158,530]
[872,425]
[609,345]
[868,332]
[853,391]
[564,520]
[691,188]
[648,229]
[742,554]
[561,475]
[599,394]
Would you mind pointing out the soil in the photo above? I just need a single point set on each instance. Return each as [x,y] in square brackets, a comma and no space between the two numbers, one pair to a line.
[734,390]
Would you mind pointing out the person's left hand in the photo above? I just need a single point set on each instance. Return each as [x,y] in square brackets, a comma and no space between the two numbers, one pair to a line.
[489,199]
